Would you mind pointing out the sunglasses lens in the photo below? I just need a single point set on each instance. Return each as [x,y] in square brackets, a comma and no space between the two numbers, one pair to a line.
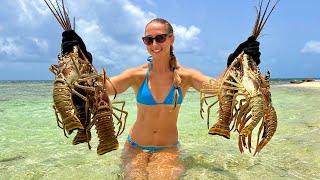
[147,40]
[160,38]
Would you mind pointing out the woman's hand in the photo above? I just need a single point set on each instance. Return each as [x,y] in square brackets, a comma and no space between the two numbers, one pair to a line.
[250,47]
[69,39]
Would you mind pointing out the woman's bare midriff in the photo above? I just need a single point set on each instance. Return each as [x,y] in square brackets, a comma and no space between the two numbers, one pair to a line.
[155,125]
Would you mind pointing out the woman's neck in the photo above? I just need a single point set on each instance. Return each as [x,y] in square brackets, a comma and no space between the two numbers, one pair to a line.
[161,64]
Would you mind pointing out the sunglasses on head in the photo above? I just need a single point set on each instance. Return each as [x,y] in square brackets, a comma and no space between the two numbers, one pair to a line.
[160,38]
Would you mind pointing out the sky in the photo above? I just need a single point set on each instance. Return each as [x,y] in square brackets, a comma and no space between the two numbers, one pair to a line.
[206,32]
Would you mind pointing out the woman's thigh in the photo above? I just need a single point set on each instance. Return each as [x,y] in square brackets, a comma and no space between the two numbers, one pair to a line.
[165,164]
[134,162]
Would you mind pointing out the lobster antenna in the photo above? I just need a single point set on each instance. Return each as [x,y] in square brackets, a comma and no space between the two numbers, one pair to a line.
[54,14]
[66,16]
[62,18]
[264,13]
[105,78]
[74,23]
[104,74]
[269,14]
[262,18]
[59,12]
[255,27]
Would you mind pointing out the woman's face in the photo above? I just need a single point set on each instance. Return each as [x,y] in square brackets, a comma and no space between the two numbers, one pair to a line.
[158,49]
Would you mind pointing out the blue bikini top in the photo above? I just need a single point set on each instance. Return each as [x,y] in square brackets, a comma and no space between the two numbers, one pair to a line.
[144,95]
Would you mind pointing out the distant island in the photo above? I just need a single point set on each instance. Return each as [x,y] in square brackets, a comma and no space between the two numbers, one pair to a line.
[301,81]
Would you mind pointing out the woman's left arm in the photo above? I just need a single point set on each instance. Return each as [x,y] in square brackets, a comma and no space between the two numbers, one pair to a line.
[195,78]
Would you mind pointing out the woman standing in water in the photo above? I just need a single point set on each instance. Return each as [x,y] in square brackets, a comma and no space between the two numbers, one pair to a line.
[152,147]
[151,150]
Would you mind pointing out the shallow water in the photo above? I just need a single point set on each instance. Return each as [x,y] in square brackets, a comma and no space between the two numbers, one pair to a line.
[33,147]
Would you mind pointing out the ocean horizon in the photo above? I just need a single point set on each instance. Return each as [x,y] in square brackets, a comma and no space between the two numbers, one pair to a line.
[271,79]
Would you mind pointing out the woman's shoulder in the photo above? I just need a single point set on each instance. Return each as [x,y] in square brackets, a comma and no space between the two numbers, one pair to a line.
[140,70]
[186,71]
[136,72]
[189,75]
[137,69]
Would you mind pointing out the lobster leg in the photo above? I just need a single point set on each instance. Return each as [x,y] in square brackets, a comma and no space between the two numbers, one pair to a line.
[208,112]
[120,119]
[123,103]
[203,100]
[258,107]
[59,122]
[243,109]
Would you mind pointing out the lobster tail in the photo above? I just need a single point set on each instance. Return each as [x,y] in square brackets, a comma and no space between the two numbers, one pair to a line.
[221,128]
[83,114]
[63,104]
[105,130]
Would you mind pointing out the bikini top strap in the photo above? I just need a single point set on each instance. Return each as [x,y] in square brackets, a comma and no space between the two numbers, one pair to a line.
[149,59]
[148,72]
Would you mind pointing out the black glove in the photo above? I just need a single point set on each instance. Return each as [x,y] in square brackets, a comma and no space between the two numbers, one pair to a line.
[250,47]
[69,39]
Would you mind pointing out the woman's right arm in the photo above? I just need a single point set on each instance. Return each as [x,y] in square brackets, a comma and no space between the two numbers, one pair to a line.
[122,81]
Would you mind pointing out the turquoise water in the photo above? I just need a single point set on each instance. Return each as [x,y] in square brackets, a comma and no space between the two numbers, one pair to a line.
[33,147]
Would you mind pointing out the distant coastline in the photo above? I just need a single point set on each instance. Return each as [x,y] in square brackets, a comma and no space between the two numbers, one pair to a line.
[273,80]
[312,84]
[25,81]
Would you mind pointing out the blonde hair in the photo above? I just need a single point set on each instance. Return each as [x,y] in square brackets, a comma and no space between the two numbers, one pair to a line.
[173,64]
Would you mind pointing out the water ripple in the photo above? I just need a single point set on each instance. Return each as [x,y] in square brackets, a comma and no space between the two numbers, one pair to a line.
[15,158]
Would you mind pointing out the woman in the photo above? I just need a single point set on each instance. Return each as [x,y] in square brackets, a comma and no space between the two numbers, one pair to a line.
[152,146]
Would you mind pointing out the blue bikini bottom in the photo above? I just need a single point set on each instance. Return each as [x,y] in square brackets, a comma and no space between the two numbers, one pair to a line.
[150,149]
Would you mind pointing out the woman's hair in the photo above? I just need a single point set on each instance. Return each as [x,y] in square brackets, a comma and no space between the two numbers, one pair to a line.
[173,61]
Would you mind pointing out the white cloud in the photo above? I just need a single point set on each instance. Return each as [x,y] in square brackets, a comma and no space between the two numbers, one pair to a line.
[31,10]
[25,14]
[187,33]
[41,43]
[92,32]
[9,46]
[140,17]
[22,49]
[151,3]
[186,38]
[106,49]
[95,40]
[311,47]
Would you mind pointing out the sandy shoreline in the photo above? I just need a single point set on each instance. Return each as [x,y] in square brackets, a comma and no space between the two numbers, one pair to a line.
[314,85]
